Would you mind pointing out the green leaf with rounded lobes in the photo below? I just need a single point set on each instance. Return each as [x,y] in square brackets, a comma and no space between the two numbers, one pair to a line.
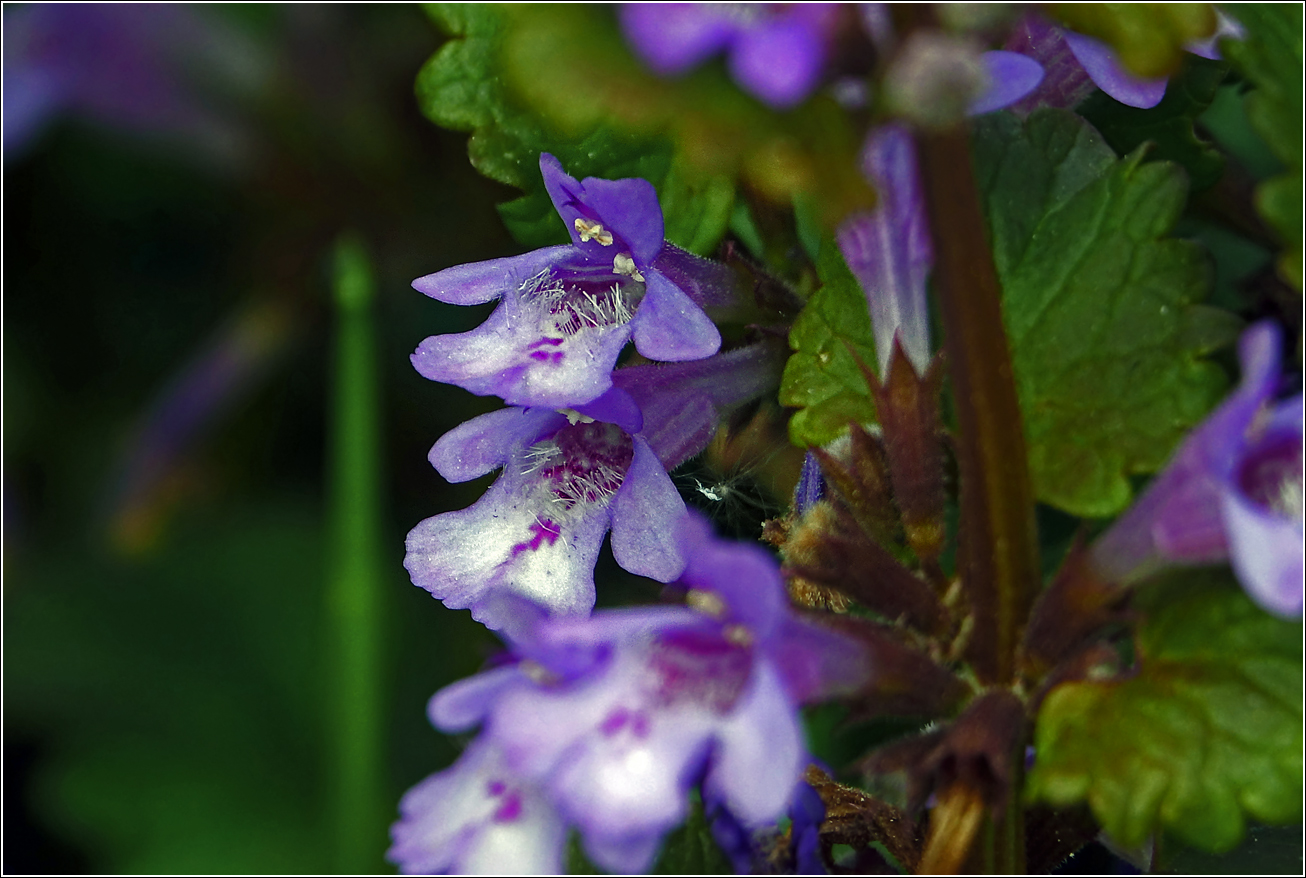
[1108,339]
[463,87]
[1271,58]
[822,378]
[1203,734]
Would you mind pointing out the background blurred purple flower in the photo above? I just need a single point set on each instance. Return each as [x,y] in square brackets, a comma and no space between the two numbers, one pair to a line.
[566,312]
[776,53]
[136,67]
[618,715]
[1232,491]
[889,249]
[1076,62]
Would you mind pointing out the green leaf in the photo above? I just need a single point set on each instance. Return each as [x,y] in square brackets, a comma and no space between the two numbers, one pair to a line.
[691,850]
[688,850]
[1106,337]
[1168,125]
[1204,733]
[822,377]
[463,87]
[1271,59]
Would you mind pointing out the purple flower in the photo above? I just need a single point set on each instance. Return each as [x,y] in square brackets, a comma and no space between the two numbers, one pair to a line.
[567,311]
[131,66]
[615,717]
[568,477]
[1073,60]
[776,53]
[477,818]
[889,249]
[1232,491]
[1103,67]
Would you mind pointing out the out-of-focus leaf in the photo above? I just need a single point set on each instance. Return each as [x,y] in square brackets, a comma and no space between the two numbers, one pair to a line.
[822,378]
[1107,340]
[1149,37]
[1169,125]
[691,850]
[559,78]
[1206,732]
[463,87]
[1271,58]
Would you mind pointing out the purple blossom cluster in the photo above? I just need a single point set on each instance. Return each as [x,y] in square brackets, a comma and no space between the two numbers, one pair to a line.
[602,722]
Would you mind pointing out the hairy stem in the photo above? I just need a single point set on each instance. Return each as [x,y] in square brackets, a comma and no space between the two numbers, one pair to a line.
[998,555]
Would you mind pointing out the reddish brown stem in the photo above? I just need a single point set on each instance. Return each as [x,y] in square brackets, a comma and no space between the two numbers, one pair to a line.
[998,553]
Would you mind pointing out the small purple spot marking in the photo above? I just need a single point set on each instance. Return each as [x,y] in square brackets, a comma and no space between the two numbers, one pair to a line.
[614,722]
[545,531]
[510,810]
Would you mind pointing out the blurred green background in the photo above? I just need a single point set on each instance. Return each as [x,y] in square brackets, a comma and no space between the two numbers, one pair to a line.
[174,490]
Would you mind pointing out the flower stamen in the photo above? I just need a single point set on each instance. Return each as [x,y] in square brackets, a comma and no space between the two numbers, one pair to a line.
[623,264]
[592,231]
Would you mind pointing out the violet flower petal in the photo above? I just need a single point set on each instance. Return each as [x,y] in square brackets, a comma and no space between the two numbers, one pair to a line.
[627,209]
[889,249]
[624,855]
[1266,555]
[500,543]
[632,781]
[646,508]
[1011,77]
[518,355]
[811,485]
[480,282]
[744,575]
[1177,517]
[672,38]
[487,442]
[616,406]
[1110,75]
[477,818]
[779,60]
[683,403]
[668,326]
[464,704]
[816,663]
[1263,511]
[759,753]
[630,209]
[1065,82]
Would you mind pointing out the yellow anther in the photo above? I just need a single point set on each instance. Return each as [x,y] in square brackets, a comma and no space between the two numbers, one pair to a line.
[592,231]
[574,417]
[738,635]
[623,264]
[706,602]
